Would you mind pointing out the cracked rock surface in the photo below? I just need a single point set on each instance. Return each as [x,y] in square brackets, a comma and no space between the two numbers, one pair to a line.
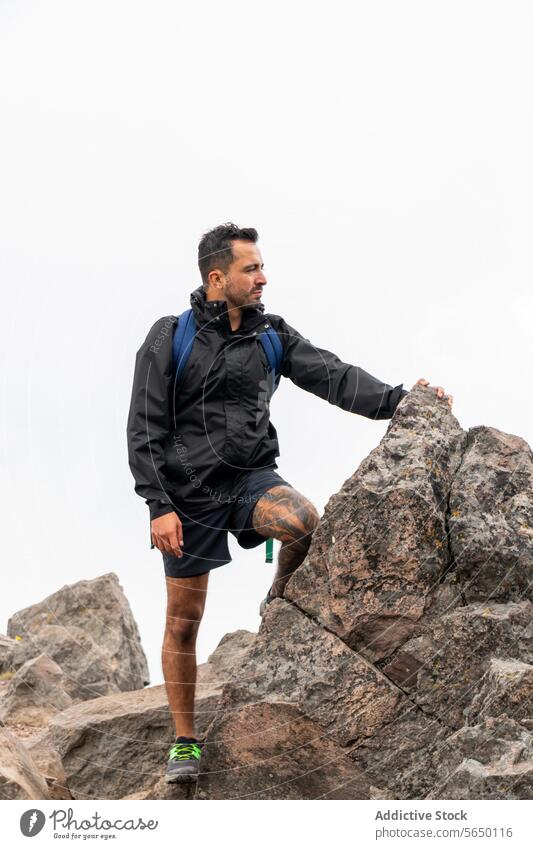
[381,549]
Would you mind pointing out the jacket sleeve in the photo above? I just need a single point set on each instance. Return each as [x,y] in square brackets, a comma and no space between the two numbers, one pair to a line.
[346,386]
[149,416]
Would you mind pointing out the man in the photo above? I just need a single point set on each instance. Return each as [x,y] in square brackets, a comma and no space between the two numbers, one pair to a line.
[203,454]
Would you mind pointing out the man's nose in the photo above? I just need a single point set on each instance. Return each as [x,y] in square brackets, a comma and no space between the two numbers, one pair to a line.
[260,280]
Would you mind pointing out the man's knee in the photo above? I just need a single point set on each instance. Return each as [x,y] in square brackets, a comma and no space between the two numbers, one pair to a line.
[308,518]
[182,627]
[185,608]
[285,514]
[300,532]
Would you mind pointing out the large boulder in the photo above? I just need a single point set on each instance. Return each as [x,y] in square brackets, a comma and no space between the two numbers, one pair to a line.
[88,629]
[392,646]
[35,693]
[113,745]
[380,551]
[116,746]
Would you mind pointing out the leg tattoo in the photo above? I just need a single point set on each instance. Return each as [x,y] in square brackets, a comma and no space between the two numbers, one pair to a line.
[285,514]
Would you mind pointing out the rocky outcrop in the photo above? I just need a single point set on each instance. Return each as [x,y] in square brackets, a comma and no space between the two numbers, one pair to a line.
[406,636]
[88,629]
[398,664]
[378,556]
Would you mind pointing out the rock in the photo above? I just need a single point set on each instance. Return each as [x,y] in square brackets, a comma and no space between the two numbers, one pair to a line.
[491,517]
[472,780]
[213,675]
[50,767]
[12,655]
[88,629]
[389,636]
[35,693]
[506,688]
[295,663]
[113,746]
[381,547]
[492,760]
[273,751]
[116,746]
[400,756]
[227,656]
[19,776]
[450,658]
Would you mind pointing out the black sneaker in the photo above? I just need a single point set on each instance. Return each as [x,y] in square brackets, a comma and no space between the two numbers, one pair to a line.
[183,760]
[266,601]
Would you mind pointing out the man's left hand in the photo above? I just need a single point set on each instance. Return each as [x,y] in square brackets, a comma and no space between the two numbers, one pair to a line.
[438,389]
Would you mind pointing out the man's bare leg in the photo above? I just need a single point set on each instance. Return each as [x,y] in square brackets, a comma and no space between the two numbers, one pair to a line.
[285,514]
[185,606]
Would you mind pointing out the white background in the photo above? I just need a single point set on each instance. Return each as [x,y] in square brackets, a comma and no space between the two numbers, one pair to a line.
[382,150]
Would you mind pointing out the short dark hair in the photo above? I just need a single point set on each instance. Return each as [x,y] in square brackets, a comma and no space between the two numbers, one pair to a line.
[215,249]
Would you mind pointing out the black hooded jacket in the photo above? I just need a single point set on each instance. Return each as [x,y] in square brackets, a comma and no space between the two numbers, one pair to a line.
[189,442]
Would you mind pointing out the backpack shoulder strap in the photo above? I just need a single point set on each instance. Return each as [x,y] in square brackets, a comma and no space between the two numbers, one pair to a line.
[273,350]
[183,341]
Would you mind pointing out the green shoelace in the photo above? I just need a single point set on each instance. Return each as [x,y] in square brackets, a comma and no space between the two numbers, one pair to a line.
[184,751]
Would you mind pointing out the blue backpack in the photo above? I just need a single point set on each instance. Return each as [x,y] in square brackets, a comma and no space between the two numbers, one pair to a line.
[181,348]
[185,335]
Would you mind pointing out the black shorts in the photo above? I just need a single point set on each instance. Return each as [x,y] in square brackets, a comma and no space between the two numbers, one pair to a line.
[205,529]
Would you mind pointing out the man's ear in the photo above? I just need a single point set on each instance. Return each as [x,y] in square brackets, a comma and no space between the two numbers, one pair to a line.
[216,280]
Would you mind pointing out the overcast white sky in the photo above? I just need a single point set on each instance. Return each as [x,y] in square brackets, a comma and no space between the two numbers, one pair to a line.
[382,150]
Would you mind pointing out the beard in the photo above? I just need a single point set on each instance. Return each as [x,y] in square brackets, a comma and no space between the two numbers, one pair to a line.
[245,302]
[252,305]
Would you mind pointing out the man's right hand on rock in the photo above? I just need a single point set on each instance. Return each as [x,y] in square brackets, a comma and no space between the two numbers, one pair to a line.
[167,534]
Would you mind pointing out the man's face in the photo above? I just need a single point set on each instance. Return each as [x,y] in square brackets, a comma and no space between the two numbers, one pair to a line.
[243,282]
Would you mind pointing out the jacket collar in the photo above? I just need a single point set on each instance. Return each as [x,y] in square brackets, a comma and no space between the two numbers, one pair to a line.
[216,312]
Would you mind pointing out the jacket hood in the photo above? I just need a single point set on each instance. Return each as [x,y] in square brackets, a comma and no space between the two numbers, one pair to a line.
[206,311]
